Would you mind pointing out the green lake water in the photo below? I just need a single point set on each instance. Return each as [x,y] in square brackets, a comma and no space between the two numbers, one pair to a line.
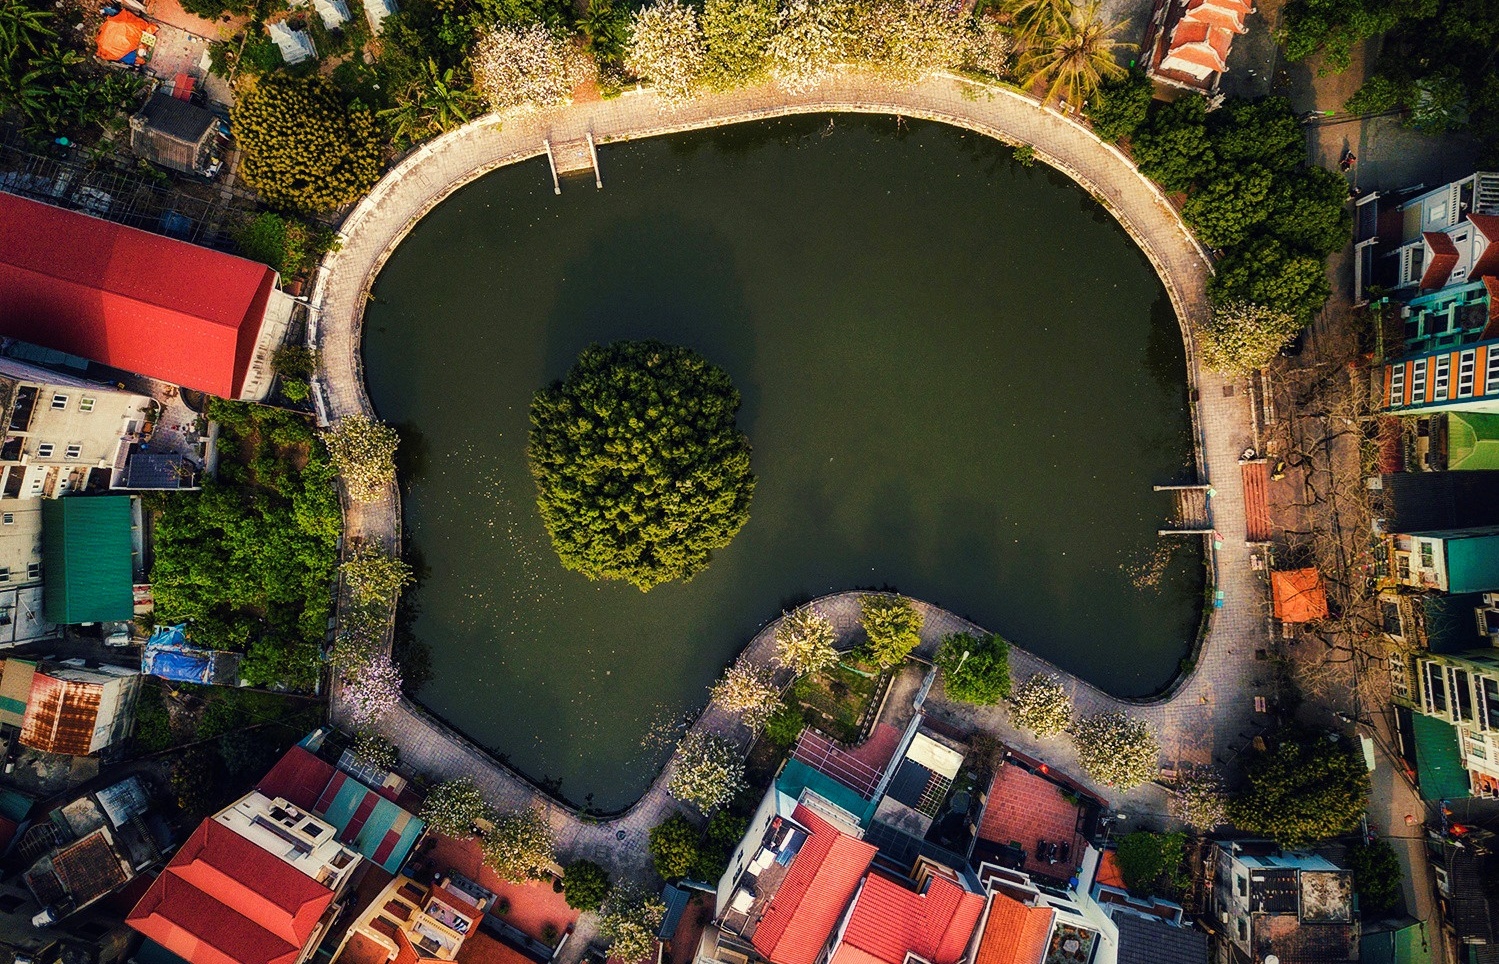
[960,379]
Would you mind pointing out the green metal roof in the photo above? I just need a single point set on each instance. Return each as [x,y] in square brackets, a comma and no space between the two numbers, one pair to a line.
[1472,440]
[86,567]
[1473,561]
[1405,945]
[1439,762]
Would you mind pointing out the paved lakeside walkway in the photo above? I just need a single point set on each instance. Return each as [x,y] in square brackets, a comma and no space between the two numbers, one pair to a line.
[1207,713]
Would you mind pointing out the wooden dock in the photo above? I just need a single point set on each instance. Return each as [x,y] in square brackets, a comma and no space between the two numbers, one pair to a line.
[573,157]
[1191,515]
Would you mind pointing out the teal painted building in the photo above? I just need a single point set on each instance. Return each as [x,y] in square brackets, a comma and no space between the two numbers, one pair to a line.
[86,559]
[1449,560]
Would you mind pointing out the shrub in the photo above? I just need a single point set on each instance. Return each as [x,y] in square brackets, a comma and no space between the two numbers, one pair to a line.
[585,885]
[893,626]
[666,47]
[1305,789]
[452,807]
[708,772]
[1040,705]
[748,691]
[1117,750]
[1151,863]
[295,361]
[521,845]
[640,470]
[1240,338]
[1266,273]
[629,921]
[674,849]
[975,669]
[295,390]
[784,726]
[722,836]
[301,147]
[364,452]
[805,642]
[263,239]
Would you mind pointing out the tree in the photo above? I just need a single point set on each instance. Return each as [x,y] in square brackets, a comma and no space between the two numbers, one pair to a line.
[376,750]
[433,103]
[784,726]
[1376,877]
[1226,210]
[606,29]
[748,691]
[294,361]
[666,47]
[372,691]
[893,627]
[1305,789]
[1240,338]
[975,669]
[629,921]
[373,576]
[805,642]
[1040,705]
[1117,750]
[585,885]
[736,34]
[640,470]
[452,807]
[302,148]
[1120,106]
[1309,210]
[364,452]
[1199,799]
[720,839]
[524,69]
[1151,863]
[674,849]
[521,845]
[709,771]
[1265,273]
[1265,132]
[810,38]
[1074,59]
[1173,148]
[1335,27]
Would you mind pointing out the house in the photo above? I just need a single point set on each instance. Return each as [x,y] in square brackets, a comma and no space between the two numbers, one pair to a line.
[21,619]
[88,559]
[1467,876]
[73,708]
[295,45]
[1414,241]
[1298,596]
[1449,560]
[1293,905]
[139,302]
[412,921]
[889,920]
[375,11]
[1187,42]
[1152,930]
[1028,922]
[334,13]
[1453,697]
[258,883]
[179,135]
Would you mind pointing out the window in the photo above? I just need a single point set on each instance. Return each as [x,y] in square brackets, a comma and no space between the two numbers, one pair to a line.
[1442,376]
[1243,931]
[1467,367]
[4,573]
[1462,695]
[1418,381]
[1491,377]
[1489,701]
[59,401]
[1243,885]
[8,518]
[1436,689]
[1397,384]
[44,450]
[1428,554]
[85,404]
[33,570]
[74,451]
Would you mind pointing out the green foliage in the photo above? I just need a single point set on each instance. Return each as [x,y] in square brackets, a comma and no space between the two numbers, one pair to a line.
[1266,273]
[195,777]
[735,36]
[1306,789]
[1230,207]
[153,724]
[520,846]
[975,669]
[784,726]
[606,29]
[263,239]
[1120,106]
[1308,210]
[720,838]
[893,628]
[452,807]
[674,847]
[434,102]
[250,558]
[640,470]
[303,148]
[48,79]
[585,885]
[629,921]
[1173,148]
[259,55]
[1377,874]
[1264,132]
[373,576]
[1335,27]
[1151,863]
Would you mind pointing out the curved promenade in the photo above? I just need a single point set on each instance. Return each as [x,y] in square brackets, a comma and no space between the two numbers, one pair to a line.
[1205,713]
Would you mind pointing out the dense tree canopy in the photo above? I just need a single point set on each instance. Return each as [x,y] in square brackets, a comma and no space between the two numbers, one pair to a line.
[641,472]
[674,847]
[302,147]
[47,76]
[1120,106]
[975,669]
[1307,788]
[585,885]
[1151,863]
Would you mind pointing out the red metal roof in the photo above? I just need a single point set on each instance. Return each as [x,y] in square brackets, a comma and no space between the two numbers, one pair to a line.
[1443,259]
[299,778]
[224,900]
[1014,933]
[823,876]
[1257,524]
[128,298]
[1298,595]
[890,920]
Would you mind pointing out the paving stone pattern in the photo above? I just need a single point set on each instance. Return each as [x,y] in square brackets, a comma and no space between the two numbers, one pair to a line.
[1207,714]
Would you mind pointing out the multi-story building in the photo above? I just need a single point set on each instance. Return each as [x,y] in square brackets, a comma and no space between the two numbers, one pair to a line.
[1294,906]
[1450,560]
[1187,42]
[412,921]
[21,618]
[1408,242]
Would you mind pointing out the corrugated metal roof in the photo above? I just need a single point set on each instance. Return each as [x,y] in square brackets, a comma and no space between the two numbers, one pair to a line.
[62,715]
[1439,763]
[86,565]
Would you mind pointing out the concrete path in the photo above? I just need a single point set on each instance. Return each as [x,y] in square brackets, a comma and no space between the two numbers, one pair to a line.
[1207,715]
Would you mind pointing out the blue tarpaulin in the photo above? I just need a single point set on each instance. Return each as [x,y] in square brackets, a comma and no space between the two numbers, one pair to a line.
[169,655]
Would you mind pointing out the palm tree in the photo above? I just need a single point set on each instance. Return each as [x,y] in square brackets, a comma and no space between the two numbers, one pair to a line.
[1076,58]
[1032,19]
[433,104]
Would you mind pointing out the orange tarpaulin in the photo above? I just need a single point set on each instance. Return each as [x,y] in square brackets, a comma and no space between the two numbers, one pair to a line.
[1298,595]
[121,35]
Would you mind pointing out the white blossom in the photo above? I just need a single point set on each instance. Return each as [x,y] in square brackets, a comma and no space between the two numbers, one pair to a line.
[521,846]
[629,921]
[1040,705]
[709,770]
[1117,750]
[524,69]
[372,691]
[1199,799]
[666,47]
[452,807]
[748,691]
[804,642]
[364,452]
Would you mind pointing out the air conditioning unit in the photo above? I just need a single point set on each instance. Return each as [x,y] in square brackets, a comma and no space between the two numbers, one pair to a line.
[1223,917]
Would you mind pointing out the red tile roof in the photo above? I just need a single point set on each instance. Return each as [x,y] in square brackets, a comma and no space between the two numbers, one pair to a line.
[822,878]
[1014,933]
[224,900]
[890,920]
[299,778]
[1443,259]
[1487,263]
[128,298]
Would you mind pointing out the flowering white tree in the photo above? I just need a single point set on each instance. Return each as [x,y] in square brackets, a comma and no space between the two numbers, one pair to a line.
[521,846]
[811,37]
[709,770]
[991,49]
[452,807]
[374,576]
[1040,705]
[805,642]
[1240,338]
[523,69]
[629,921]
[906,39]
[372,691]
[364,452]
[666,47]
[748,691]
[1117,750]
[376,750]
[1199,799]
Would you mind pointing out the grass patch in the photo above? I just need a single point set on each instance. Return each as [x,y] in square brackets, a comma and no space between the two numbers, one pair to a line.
[835,701]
